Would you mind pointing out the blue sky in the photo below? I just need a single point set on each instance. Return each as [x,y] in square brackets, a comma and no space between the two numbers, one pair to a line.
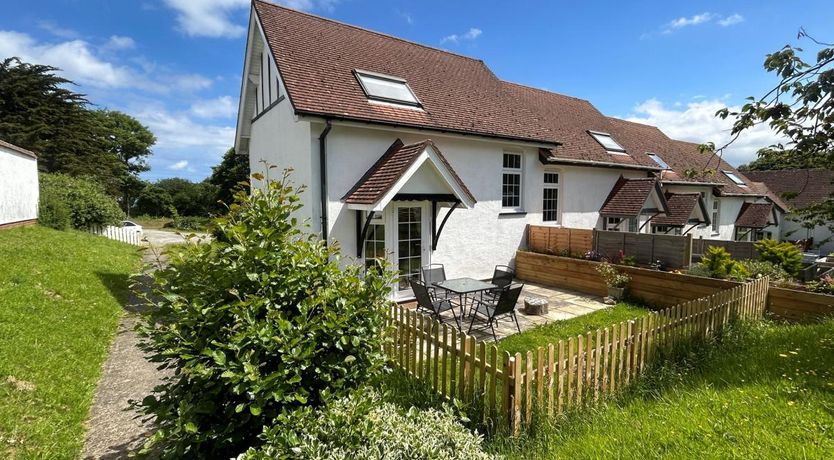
[176,64]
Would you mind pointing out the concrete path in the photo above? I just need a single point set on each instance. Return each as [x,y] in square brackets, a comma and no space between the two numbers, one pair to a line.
[160,238]
[113,429]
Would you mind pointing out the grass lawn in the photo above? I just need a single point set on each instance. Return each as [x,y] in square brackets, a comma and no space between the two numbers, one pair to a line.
[540,336]
[155,223]
[60,302]
[767,391]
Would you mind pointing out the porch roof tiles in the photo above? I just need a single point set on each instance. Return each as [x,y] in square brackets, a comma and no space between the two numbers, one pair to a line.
[680,207]
[628,196]
[755,215]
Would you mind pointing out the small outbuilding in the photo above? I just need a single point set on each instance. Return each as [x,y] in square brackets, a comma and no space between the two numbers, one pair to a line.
[18,186]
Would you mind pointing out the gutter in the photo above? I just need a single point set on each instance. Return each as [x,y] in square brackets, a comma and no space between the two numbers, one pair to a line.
[600,164]
[323,177]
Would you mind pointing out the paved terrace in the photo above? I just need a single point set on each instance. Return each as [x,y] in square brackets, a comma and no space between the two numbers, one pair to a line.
[564,304]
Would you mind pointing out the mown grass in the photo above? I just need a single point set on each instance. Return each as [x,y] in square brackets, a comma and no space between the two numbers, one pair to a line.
[552,332]
[765,391]
[60,302]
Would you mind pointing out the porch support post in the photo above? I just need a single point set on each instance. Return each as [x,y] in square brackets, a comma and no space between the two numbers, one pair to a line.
[436,231]
[648,220]
[362,230]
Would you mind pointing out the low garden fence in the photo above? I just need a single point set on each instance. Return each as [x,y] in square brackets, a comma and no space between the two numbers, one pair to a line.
[561,376]
[119,234]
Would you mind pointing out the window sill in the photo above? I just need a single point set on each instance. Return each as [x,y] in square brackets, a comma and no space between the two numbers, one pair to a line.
[512,213]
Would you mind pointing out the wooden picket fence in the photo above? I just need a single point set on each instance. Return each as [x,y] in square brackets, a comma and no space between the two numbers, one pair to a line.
[119,234]
[574,373]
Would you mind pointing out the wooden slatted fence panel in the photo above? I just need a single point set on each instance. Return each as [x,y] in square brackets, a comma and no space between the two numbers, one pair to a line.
[555,240]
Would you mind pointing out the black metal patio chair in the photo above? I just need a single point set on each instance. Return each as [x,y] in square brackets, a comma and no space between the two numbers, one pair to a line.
[433,306]
[502,277]
[434,273]
[503,306]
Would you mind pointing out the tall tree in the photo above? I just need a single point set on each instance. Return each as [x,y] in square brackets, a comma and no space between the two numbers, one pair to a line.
[124,138]
[800,108]
[228,175]
[38,112]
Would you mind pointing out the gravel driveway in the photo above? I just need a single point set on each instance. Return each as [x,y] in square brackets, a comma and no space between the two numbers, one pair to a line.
[160,238]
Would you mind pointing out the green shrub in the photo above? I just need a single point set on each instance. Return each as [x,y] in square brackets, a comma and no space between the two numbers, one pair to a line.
[717,263]
[189,223]
[762,268]
[87,202]
[257,325]
[825,285]
[787,255]
[53,212]
[613,278]
[363,426]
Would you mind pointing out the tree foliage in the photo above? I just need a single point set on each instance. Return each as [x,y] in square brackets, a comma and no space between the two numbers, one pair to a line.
[85,200]
[229,174]
[800,108]
[190,198]
[257,325]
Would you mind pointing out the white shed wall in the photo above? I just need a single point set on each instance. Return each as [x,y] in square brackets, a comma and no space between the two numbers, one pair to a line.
[18,187]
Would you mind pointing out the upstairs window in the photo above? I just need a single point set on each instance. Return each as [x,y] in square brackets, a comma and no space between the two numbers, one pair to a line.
[733,177]
[656,158]
[716,214]
[511,181]
[386,88]
[607,142]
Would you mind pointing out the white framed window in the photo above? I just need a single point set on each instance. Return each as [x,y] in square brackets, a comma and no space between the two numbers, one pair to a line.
[386,88]
[620,224]
[716,214]
[608,142]
[550,197]
[656,158]
[511,173]
[733,177]
[666,230]
[375,241]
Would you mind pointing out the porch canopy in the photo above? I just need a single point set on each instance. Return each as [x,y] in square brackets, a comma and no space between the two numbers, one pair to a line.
[683,209]
[412,172]
[629,198]
[756,215]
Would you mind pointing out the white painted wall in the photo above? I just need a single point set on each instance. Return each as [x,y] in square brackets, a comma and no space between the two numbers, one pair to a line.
[823,237]
[18,186]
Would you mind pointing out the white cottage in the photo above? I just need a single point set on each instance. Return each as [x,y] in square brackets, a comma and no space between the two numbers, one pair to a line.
[425,156]
[18,186]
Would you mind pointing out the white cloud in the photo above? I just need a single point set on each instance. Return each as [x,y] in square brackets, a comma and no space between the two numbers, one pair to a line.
[58,31]
[220,18]
[177,130]
[470,34]
[731,20]
[118,42]
[182,164]
[696,122]
[698,19]
[221,107]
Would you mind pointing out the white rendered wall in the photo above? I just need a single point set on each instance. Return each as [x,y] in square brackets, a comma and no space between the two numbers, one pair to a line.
[18,187]
[823,238]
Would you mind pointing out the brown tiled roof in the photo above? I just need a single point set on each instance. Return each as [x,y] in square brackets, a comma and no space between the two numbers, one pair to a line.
[628,196]
[379,179]
[800,188]
[17,149]
[680,207]
[317,58]
[754,215]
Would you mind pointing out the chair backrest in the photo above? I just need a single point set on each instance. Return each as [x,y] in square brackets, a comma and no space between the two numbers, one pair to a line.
[502,276]
[508,299]
[433,273]
[421,292]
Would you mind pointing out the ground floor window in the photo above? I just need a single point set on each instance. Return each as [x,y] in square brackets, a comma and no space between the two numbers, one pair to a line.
[666,230]
[620,224]
[374,243]
[409,244]
[550,197]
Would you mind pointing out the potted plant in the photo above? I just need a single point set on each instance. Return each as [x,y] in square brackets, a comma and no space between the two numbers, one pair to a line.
[614,279]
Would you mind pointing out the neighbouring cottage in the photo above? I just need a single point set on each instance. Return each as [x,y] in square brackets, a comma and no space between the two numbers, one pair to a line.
[18,186]
[424,156]
[801,188]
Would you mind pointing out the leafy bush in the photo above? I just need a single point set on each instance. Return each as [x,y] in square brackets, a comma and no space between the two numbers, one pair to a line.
[189,223]
[363,426]
[785,254]
[762,268]
[613,277]
[87,202]
[823,286]
[717,263]
[257,326]
[53,212]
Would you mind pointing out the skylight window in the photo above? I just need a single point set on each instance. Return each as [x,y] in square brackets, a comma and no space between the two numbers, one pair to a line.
[386,88]
[607,142]
[658,160]
[733,177]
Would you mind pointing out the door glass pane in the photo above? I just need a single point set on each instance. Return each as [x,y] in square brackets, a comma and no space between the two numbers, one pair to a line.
[409,245]
[374,245]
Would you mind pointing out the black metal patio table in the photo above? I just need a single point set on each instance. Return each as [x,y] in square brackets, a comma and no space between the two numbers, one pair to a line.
[463,287]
